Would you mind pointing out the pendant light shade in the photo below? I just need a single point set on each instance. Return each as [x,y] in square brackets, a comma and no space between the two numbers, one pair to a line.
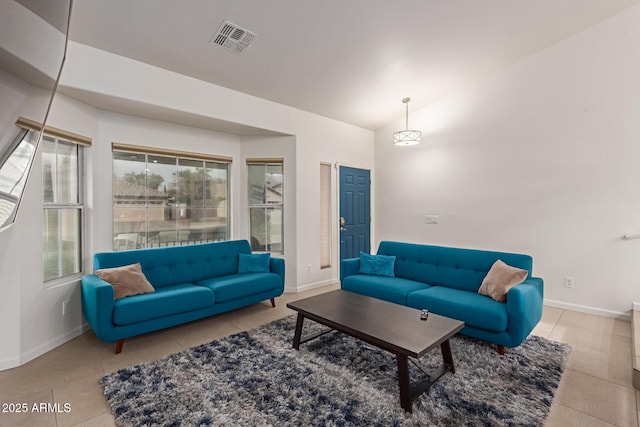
[407,136]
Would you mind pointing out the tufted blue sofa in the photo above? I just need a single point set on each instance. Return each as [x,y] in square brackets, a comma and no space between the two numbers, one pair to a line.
[446,280]
[190,282]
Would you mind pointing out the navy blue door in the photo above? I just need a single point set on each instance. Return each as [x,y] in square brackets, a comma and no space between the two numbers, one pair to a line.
[355,212]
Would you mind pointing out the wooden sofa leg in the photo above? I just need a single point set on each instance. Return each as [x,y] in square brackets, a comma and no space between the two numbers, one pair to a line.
[119,345]
[273,302]
[500,350]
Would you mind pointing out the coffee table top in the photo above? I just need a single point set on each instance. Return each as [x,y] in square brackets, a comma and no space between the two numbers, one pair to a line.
[390,326]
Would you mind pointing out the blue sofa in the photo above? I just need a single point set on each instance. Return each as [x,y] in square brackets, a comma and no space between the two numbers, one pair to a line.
[190,282]
[446,280]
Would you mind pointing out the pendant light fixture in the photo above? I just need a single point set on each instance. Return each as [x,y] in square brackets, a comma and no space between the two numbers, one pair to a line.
[407,136]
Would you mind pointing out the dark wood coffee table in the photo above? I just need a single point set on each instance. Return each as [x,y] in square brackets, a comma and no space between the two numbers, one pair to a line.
[391,327]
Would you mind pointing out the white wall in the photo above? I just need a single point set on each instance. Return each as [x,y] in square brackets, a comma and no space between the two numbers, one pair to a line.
[19,98]
[13,93]
[39,54]
[10,291]
[540,158]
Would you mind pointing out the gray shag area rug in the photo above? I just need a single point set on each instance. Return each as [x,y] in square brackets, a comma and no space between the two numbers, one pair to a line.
[256,378]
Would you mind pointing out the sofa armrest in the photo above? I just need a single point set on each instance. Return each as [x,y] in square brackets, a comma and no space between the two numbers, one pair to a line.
[276,265]
[97,306]
[524,307]
[349,267]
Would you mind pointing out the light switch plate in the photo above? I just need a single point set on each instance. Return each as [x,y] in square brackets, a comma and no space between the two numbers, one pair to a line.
[431,219]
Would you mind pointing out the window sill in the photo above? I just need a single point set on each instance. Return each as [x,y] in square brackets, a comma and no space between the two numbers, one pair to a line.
[63,281]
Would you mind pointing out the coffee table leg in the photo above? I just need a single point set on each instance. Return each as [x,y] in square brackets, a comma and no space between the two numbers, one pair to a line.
[403,382]
[298,334]
[446,356]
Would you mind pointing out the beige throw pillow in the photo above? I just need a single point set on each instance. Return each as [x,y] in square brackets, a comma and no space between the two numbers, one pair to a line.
[500,278]
[126,280]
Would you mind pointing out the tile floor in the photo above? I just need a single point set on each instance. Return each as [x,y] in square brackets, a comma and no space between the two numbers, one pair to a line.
[595,390]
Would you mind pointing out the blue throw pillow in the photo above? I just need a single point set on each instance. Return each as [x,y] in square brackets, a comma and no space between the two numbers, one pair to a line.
[366,263]
[254,263]
[377,265]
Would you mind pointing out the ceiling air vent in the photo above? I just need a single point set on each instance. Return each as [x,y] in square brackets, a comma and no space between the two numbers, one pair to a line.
[232,37]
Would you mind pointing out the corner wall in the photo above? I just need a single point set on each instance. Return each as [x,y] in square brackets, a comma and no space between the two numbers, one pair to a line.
[539,158]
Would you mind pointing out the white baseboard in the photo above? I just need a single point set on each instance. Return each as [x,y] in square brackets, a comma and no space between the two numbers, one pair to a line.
[590,310]
[43,348]
[635,306]
[313,285]
[9,363]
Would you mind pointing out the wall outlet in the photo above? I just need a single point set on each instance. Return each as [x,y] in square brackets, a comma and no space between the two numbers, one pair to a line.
[309,268]
[569,282]
[65,307]
[431,219]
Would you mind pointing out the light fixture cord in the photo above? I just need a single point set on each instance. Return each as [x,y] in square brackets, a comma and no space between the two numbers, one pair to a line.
[406,122]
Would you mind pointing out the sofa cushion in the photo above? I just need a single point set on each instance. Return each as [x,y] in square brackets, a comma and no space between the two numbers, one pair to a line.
[236,286]
[392,289]
[500,278]
[377,265]
[126,280]
[253,263]
[473,309]
[164,302]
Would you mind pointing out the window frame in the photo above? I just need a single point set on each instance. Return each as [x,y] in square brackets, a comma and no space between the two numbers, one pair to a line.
[266,162]
[78,205]
[326,213]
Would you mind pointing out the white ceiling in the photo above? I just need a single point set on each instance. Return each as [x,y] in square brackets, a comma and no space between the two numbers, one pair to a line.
[351,60]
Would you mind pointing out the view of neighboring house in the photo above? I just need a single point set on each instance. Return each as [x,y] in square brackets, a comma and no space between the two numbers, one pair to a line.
[147,217]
